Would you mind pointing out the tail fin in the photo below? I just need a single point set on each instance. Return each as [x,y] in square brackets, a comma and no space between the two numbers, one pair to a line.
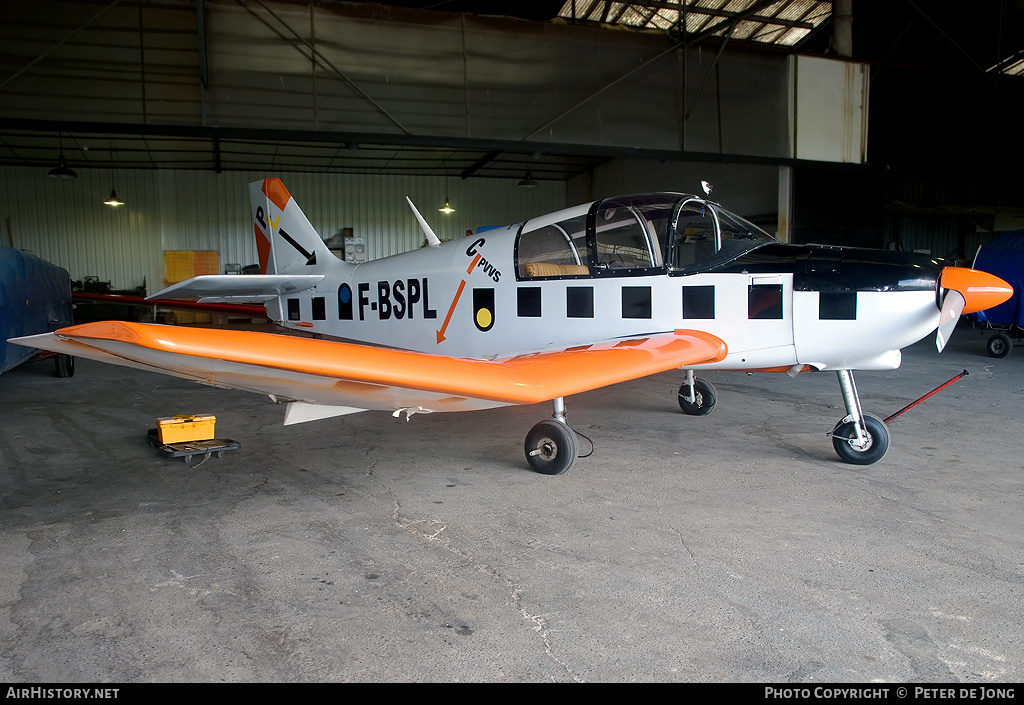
[286,241]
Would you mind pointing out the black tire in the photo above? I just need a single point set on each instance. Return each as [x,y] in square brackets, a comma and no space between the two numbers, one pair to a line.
[878,436]
[551,447]
[999,345]
[65,365]
[705,398]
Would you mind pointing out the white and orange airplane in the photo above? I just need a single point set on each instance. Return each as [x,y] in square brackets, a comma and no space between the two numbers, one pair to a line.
[566,302]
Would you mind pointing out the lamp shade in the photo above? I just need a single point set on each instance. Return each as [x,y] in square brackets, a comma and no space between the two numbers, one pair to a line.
[113,200]
[62,170]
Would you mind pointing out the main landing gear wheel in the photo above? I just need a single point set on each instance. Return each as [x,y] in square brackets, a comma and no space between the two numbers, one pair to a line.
[64,365]
[551,447]
[704,398]
[999,345]
[844,440]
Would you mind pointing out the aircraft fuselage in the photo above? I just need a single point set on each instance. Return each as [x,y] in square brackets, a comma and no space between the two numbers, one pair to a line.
[776,305]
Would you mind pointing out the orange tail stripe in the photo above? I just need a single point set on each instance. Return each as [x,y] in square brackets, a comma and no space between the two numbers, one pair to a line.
[275,190]
[262,248]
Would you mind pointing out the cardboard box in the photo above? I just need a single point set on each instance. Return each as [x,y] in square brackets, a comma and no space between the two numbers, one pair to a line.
[186,427]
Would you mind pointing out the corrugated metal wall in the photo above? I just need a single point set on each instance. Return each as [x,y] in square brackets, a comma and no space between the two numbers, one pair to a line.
[938,236]
[930,212]
[65,221]
[935,236]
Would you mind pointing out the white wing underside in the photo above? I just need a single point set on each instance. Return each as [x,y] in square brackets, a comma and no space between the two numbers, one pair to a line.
[331,397]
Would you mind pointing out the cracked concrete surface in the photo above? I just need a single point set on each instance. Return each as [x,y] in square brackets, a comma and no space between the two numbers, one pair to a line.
[733,547]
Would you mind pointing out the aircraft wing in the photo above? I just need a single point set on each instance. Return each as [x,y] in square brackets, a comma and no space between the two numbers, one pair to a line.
[347,377]
[239,287]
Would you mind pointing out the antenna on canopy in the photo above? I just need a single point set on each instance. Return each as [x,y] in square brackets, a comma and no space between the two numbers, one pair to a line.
[432,239]
[706,186]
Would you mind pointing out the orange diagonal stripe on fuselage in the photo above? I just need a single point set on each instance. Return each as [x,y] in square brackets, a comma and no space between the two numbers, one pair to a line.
[451,310]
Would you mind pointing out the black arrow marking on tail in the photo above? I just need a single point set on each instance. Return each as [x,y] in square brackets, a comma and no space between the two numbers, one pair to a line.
[310,257]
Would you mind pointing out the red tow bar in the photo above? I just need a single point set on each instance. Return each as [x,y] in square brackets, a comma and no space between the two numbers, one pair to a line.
[914,403]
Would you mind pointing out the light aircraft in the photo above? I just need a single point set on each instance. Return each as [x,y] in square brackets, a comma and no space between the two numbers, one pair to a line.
[566,302]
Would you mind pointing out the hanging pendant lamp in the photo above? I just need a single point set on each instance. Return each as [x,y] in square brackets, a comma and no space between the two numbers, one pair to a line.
[62,170]
[529,181]
[113,201]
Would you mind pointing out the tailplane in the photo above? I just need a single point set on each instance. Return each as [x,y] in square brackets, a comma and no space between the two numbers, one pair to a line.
[286,241]
[292,255]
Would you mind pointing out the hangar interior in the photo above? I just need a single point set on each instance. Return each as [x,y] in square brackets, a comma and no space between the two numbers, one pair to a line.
[830,122]
[727,548]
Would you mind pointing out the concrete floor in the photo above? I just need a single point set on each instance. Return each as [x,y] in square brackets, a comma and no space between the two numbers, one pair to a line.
[733,547]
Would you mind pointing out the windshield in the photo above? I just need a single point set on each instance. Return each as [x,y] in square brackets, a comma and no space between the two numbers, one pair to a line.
[705,234]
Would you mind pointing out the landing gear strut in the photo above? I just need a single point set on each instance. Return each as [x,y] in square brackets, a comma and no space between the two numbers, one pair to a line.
[551,446]
[858,438]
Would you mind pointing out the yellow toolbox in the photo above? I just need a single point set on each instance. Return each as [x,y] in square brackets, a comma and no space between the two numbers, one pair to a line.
[186,427]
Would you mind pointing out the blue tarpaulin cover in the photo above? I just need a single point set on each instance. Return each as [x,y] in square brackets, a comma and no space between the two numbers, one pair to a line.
[35,297]
[1003,257]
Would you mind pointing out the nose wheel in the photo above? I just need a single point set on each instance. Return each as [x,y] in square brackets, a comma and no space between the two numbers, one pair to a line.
[864,451]
[859,438]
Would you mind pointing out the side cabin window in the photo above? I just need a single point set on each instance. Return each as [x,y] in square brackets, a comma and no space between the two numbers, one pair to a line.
[555,250]
[627,235]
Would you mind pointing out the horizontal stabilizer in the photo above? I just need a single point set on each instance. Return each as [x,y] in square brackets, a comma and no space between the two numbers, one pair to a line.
[240,287]
[259,298]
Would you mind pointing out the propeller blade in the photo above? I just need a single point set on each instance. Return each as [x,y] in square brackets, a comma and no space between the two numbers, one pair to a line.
[952,307]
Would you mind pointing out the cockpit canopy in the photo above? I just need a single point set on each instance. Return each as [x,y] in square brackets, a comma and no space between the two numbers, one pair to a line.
[634,235]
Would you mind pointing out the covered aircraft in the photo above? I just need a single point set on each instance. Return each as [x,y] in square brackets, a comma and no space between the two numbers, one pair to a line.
[534,312]
[35,297]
